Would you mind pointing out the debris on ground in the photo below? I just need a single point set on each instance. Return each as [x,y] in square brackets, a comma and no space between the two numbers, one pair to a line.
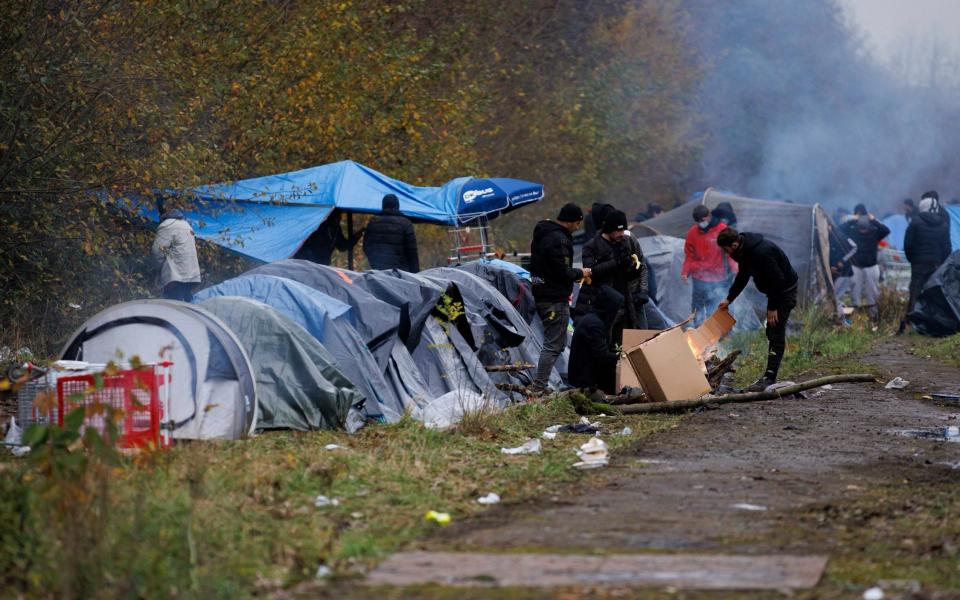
[548,435]
[322,501]
[323,572]
[491,498]
[14,434]
[440,518]
[897,383]
[592,454]
[873,593]
[783,385]
[528,447]
[745,506]
[626,431]
[333,447]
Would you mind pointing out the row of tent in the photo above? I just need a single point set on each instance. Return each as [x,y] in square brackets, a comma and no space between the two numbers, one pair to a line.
[297,345]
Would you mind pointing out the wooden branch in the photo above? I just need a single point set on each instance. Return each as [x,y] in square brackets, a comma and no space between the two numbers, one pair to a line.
[721,368]
[679,406]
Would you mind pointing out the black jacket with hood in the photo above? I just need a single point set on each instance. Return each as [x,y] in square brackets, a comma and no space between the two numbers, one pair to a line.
[927,241]
[866,241]
[551,263]
[592,362]
[390,242]
[612,265]
[770,268]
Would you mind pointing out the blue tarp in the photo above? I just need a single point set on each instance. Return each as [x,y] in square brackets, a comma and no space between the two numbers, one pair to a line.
[268,218]
[954,212]
[898,230]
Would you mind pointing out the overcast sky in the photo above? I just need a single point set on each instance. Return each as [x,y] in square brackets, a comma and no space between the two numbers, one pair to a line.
[884,23]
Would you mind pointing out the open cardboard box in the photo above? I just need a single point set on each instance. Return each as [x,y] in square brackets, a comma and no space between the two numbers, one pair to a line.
[665,363]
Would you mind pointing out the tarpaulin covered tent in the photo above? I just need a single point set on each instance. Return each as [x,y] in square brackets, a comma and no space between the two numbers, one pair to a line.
[298,385]
[268,218]
[953,211]
[330,322]
[213,390]
[801,230]
[937,312]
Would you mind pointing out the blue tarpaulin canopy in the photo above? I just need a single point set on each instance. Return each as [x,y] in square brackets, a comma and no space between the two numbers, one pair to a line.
[268,218]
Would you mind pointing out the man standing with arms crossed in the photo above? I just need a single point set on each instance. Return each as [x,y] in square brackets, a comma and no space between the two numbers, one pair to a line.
[553,276]
[774,276]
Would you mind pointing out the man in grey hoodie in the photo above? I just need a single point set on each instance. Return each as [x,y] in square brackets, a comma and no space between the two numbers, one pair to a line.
[175,251]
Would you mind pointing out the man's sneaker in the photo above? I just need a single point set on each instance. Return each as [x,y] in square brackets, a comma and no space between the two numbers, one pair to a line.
[760,384]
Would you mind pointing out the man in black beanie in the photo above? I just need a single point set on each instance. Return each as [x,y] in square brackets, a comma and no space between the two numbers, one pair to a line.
[553,276]
[389,241]
[616,260]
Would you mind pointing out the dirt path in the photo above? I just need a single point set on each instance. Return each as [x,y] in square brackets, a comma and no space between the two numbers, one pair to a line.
[680,491]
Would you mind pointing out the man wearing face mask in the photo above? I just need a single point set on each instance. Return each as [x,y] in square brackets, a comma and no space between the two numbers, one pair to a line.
[616,260]
[705,263]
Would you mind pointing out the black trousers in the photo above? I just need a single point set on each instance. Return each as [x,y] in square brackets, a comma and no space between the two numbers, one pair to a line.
[777,335]
[919,275]
[179,290]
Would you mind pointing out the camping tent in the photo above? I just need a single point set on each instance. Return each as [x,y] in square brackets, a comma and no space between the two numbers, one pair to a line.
[937,312]
[298,386]
[953,211]
[213,394]
[801,230]
[268,218]
[329,321]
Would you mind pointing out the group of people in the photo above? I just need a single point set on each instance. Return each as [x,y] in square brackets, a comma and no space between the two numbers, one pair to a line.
[615,288]
[854,248]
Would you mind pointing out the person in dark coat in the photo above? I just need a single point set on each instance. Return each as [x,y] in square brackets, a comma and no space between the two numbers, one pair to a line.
[926,244]
[616,259]
[553,276]
[328,237]
[775,277]
[593,364]
[593,222]
[842,250]
[723,213]
[866,232]
[389,241]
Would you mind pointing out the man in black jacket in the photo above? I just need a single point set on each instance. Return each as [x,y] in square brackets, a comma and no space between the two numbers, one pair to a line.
[926,244]
[553,276]
[616,260]
[774,276]
[866,232]
[329,236]
[592,362]
[389,241]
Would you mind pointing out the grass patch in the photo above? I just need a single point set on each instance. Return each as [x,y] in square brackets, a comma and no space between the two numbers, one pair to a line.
[231,519]
[814,340]
[946,350]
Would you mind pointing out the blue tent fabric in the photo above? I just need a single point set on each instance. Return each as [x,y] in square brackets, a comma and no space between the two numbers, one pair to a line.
[954,212]
[268,218]
[898,230]
[330,322]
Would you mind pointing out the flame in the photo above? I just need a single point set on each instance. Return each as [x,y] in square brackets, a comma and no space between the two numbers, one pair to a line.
[701,354]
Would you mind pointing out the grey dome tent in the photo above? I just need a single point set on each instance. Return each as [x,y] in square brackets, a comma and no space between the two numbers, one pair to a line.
[298,385]
[937,312]
[213,394]
[801,230]
[330,322]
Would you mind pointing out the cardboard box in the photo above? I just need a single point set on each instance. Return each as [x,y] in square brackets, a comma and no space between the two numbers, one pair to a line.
[704,338]
[667,367]
[626,376]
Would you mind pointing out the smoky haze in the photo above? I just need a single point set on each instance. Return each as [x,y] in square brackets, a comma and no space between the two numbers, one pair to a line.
[793,107]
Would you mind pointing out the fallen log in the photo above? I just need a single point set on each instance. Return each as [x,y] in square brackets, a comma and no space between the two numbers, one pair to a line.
[678,406]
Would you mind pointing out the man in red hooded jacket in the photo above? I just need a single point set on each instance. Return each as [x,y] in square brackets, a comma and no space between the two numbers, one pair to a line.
[706,264]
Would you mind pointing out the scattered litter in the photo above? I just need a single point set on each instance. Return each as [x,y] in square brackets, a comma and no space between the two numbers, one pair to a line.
[323,572]
[581,428]
[826,387]
[626,431]
[745,506]
[322,501]
[783,384]
[20,451]
[528,447]
[873,593]
[14,436]
[945,397]
[897,383]
[74,306]
[592,454]
[356,515]
[440,518]
[355,420]
[553,428]
[548,435]
[448,410]
[333,447]
[490,498]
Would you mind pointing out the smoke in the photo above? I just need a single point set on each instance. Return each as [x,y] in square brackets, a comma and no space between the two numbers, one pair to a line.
[794,108]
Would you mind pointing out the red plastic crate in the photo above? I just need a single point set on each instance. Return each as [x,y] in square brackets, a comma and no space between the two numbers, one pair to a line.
[134,393]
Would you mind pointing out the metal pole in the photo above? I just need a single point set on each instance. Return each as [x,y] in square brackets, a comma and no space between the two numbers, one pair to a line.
[350,240]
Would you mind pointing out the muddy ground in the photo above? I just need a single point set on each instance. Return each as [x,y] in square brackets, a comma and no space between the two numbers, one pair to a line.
[812,465]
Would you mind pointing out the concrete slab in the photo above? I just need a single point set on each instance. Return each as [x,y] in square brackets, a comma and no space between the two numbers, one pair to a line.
[704,572]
